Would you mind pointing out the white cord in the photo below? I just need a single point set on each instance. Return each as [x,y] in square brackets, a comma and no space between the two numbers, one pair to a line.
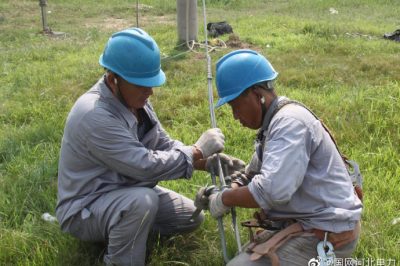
[192,45]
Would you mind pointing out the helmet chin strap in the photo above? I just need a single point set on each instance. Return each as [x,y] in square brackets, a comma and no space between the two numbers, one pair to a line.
[117,93]
[120,97]
[264,109]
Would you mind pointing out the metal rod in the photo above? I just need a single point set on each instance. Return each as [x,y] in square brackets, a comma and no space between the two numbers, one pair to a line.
[137,13]
[223,241]
[211,95]
[236,229]
[214,125]
[43,5]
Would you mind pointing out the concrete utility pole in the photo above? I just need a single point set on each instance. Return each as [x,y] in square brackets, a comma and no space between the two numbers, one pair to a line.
[187,20]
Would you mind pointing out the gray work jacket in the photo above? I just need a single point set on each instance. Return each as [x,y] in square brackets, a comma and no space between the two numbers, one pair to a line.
[101,152]
[302,175]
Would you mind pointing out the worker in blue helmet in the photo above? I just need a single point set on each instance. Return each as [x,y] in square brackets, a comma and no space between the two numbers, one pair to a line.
[297,176]
[114,152]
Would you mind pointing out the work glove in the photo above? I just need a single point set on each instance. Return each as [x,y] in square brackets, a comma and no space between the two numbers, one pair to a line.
[201,200]
[229,164]
[216,206]
[241,178]
[210,142]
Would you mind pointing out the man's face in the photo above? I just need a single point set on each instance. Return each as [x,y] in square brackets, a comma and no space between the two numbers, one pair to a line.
[135,96]
[247,109]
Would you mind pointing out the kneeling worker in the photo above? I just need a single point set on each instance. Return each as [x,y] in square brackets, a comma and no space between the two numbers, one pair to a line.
[114,152]
[297,176]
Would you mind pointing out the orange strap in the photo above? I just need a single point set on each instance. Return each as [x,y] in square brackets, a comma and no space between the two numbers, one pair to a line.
[339,239]
[269,248]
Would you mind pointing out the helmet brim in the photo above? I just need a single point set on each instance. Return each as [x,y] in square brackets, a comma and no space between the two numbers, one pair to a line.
[224,100]
[155,81]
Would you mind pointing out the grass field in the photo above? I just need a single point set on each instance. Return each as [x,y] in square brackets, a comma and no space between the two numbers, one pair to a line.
[338,64]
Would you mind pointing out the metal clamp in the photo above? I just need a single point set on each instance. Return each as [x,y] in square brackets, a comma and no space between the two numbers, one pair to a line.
[325,252]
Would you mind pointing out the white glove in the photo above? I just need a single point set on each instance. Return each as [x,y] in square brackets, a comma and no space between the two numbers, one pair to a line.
[216,206]
[201,201]
[210,142]
[229,164]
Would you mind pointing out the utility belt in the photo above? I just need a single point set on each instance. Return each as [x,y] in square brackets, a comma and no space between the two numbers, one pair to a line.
[270,234]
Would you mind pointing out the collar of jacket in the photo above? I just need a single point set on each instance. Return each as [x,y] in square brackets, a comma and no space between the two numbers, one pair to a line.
[105,92]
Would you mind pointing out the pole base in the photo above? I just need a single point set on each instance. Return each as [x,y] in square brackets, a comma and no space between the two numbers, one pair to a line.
[51,33]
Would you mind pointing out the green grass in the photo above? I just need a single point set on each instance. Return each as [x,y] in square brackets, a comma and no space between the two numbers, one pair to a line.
[339,65]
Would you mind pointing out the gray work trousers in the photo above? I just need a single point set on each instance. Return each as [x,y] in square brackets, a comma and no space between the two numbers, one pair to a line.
[124,218]
[298,251]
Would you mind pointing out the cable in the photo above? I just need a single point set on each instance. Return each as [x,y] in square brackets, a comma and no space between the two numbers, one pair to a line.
[137,13]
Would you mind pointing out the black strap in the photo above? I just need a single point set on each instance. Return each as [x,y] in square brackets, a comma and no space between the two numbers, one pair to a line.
[267,117]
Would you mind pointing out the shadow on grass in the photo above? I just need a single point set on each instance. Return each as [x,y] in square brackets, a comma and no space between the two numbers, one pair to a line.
[90,254]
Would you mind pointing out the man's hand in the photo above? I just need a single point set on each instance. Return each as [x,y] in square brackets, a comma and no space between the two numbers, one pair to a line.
[241,178]
[216,206]
[229,164]
[201,200]
[210,142]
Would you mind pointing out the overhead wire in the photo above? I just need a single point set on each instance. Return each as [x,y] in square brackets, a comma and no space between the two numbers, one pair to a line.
[137,13]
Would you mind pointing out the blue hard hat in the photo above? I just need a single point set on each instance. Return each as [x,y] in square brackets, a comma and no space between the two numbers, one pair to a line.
[239,70]
[134,55]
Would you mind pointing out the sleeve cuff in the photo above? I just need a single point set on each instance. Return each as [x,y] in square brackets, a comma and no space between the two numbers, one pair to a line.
[188,153]
[256,190]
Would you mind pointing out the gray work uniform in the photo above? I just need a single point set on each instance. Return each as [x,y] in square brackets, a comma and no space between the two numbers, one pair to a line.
[109,168]
[302,176]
